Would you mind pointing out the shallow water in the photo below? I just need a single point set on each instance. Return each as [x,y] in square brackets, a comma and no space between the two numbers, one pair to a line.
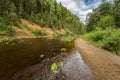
[75,69]
[33,58]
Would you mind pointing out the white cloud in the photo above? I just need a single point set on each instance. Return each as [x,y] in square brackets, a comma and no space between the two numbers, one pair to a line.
[79,8]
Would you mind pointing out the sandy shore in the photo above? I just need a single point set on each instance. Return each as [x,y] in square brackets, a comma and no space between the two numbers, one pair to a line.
[104,64]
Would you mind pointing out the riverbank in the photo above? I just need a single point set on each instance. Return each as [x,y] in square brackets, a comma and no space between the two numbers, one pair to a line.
[104,64]
[28,29]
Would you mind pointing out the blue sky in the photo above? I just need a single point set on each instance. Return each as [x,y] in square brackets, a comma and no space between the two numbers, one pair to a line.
[80,7]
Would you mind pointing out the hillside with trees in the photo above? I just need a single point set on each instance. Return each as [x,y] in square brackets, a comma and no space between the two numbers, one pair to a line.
[103,26]
[46,13]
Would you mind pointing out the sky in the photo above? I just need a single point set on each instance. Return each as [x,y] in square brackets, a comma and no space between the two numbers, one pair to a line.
[80,7]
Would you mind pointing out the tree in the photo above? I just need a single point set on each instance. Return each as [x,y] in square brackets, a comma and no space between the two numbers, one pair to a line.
[116,13]
[98,13]
[106,22]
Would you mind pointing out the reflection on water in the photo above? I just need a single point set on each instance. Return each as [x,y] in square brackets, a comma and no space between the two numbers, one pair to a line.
[75,68]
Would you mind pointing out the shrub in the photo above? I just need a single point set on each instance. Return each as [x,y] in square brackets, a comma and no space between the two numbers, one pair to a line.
[96,35]
[107,39]
[6,30]
[112,42]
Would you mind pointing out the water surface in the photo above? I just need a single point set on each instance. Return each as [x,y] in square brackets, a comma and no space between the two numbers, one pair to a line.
[32,58]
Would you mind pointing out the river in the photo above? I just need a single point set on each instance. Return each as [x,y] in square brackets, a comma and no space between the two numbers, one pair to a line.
[31,59]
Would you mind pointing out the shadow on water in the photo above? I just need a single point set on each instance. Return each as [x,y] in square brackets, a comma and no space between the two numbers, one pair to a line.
[31,59]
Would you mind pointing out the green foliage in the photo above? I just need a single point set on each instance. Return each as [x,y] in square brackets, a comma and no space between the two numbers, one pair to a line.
[6,30]
[106,22]
[95,35]
[11,18]
[45,13]
[94,17]
[105,16]
[67,38]
[55,35]
[63,49]
[116,12]
[38,33]
[107,39]
[112,42]
[24,26]
[54,67]
[7,41]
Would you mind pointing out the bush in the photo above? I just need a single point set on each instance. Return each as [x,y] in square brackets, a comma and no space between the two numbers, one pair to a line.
[96,36]
[112,42]
[6,30]
[107,39]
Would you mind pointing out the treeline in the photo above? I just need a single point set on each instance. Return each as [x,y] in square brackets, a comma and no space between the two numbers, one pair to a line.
[103,26]
[46,13]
